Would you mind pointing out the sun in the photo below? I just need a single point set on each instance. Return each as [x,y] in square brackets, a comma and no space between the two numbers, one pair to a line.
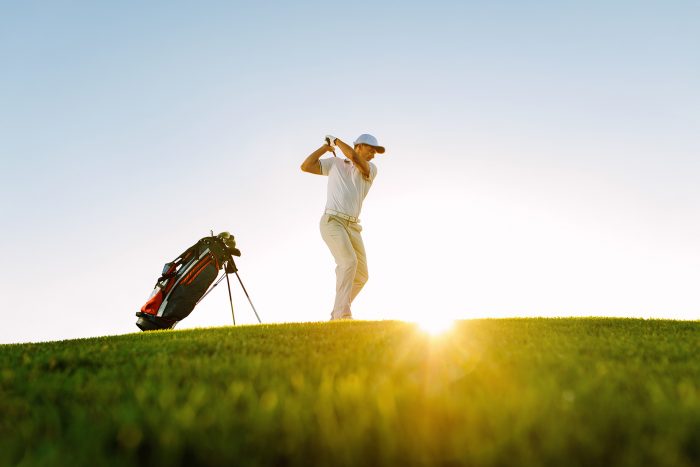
[435,325]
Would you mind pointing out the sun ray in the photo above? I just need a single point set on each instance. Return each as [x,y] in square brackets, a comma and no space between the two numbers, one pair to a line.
[435,325]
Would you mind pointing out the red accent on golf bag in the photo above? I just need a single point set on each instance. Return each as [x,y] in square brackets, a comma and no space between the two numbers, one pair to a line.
[192,275]
[153,303]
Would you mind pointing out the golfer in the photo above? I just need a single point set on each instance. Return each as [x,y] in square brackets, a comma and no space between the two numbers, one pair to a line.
[349,180]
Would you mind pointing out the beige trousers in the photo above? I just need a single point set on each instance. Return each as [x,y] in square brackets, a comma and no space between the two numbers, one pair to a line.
[345,242]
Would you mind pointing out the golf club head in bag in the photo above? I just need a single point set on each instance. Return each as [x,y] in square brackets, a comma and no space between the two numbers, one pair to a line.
[185,280]
[230,243]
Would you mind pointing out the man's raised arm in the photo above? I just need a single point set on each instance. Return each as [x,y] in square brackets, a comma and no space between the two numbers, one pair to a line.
[311,164]
[361,164]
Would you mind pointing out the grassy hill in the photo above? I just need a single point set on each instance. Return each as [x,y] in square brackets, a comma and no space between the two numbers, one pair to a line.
[490,392]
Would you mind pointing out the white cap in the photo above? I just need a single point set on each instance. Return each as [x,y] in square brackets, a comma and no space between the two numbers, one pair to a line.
[369,140]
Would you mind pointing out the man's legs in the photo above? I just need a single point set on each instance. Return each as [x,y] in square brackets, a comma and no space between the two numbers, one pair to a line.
[336,235]
[361,273]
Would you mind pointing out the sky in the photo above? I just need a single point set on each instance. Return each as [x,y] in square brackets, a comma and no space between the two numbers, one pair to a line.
[542,157]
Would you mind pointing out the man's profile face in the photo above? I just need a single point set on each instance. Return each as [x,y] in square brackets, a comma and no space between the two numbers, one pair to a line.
[366,151]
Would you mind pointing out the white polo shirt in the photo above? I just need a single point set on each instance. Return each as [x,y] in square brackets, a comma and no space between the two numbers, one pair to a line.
[347,187]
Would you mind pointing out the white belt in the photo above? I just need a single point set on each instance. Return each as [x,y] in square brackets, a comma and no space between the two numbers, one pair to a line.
[342,216]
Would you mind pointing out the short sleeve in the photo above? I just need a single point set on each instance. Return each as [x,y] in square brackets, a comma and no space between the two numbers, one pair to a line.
[326,165]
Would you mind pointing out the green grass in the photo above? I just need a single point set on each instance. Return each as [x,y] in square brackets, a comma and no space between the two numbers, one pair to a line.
[559,392]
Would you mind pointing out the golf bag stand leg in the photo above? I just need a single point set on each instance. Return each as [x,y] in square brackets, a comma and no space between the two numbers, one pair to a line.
[234,269]
[248,296]
[229,298]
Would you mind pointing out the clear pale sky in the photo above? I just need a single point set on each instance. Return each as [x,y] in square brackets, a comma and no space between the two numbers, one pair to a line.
[543,157]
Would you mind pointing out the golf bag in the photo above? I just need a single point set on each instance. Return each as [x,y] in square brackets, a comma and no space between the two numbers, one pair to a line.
[185,281]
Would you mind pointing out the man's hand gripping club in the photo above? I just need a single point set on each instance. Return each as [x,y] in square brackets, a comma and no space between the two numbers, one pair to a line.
[330,141]
[311,164]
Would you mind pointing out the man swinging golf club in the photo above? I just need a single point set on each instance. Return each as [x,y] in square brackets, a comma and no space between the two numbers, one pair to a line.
[349,180]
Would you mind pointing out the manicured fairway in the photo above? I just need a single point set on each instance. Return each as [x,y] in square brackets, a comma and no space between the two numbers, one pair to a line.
[559,392]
